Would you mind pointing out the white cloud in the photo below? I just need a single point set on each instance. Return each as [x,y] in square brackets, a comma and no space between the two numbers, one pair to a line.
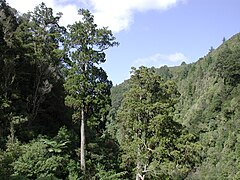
[26,5]
[158,60]
[118,15]
[70,14]
[69,10]
[177,57]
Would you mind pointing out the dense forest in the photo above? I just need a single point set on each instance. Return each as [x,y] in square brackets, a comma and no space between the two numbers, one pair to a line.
[60,117]
[208,107]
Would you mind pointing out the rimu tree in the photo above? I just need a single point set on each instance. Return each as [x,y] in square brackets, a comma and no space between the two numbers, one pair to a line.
[87,86]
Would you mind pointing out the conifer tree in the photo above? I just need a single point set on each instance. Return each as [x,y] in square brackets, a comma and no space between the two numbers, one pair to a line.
[86,83]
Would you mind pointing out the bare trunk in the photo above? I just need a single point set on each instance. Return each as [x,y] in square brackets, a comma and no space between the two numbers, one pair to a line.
[138,168]
[12,131]
[140,177]
[82,148]
[137,177]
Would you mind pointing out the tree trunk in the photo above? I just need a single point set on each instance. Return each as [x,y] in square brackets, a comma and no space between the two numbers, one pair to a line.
[82,147]
[140,177]
[137,177]
[138,168]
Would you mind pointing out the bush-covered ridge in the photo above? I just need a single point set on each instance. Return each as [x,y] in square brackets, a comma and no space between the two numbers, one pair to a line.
[209,106]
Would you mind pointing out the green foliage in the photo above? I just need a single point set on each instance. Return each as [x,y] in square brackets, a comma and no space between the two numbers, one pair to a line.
[8,62]
[87,85]
[41,35]
[208,106]
[43,64]
[151,141]
[103,155]
[34,49]
[211,110]
[44,157]
[30,77]
[228,65]
[108,175]
[7,157]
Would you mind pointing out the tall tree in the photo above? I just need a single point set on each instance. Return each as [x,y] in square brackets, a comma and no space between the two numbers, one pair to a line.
[8,65]
[39,64]
[41,34]
[86,83]
[31,81]
[151,141]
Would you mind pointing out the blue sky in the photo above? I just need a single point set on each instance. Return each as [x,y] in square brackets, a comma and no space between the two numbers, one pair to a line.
[153,32]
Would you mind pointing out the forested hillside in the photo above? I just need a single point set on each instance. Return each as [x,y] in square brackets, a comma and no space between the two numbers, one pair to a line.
[54,97]
[209,107]
[60,117]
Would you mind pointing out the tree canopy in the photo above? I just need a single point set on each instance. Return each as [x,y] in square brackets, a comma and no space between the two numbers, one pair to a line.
[60,117]
[152,142]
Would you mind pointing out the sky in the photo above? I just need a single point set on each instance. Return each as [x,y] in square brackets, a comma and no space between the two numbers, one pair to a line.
[152,32]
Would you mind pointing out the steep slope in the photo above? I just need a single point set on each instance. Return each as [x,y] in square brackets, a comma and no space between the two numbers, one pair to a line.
[210,107]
